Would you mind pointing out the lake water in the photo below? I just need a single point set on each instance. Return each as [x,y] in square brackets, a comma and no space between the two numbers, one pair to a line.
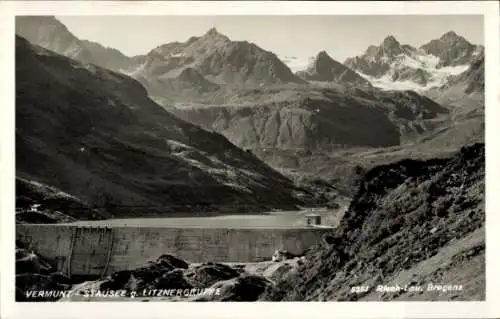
[295,219]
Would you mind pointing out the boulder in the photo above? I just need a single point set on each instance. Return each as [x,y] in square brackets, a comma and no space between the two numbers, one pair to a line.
[207,274]
[172,261]
[280,255]
[244,288]
[172,280]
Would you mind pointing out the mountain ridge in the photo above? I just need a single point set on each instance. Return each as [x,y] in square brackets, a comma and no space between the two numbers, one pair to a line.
[325,69]
[112,147]
[217,59]
[393,65]
[49,33]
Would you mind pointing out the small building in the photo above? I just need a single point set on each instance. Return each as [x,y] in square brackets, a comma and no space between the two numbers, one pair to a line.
[313,219]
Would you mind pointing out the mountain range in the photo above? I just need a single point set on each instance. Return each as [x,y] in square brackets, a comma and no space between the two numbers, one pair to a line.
[251,97]
[221,61]
[465,89]
[94,134]
[214,126]
[392,65]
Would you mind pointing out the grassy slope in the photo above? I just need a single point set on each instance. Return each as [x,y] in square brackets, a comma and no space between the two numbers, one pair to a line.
[403,214]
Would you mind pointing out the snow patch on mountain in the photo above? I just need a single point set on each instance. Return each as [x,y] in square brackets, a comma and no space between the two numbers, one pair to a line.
[425,62]
[439,77]
[296,63]
[396,66]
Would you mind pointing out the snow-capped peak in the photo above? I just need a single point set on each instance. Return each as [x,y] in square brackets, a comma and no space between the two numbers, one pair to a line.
[396,66]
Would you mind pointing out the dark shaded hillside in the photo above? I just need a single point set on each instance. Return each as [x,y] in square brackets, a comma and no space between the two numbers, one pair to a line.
[407,217]
[95,134]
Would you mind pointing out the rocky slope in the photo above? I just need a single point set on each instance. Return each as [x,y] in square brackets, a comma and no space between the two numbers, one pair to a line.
[464,125]
[325,69]
[39,203]
[464,95]
[393,65]
[94,134]
[51,34]
[216,60]
[466,89]
[452,49]
[188,86]
[376,61]
[313,117]
[410,223]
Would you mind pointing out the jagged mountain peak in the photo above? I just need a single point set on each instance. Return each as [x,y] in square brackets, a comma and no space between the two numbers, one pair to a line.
[212,59]
[452,49]
[390,41]
[450,35]
[213,33]
[323,68]
[393,65]
[322,54]
[322,57]
[391,47]
[451,38]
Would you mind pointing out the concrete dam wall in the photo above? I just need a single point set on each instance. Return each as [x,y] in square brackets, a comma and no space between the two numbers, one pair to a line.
[102,250]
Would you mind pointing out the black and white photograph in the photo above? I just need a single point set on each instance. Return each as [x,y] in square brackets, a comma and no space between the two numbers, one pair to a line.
[249,158]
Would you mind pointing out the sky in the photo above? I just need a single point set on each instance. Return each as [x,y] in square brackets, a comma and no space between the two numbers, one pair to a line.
[340,36]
